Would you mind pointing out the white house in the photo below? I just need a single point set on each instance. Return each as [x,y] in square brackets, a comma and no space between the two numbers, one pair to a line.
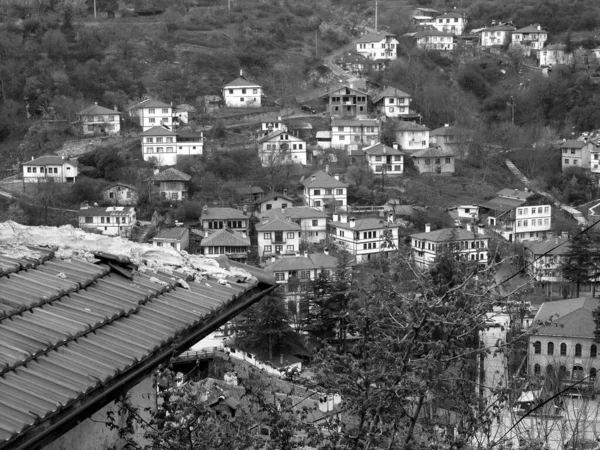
[554,54]
[434,160]
[176,237]
[544,259]
[313,222]
[164,146]
[377,46]
[454,138]
[354,131]
[241,93]
[215,218]
[278,236]
[385,160]
[434,40]
[152,113]
[411,136]
[366,239]
[120,194]
[321,189]
[452,22]
[595,160]
[99,120]
[533,222]
[274,200]
[470,244]
[281,147]
[496,36]
[576,153]
[392,102]
[172,184]
[272,124]
[111,221]
[50,167]
[532,36]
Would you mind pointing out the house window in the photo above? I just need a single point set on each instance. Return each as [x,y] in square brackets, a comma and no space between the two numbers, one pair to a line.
[315,223]
[339,192]
[29,170]
[290,235]
[566,161]
[243,91]
[255,91]
[89,220]
[537,347]
[151,111]
[447,160]
[551,348]
[378,158]
[279,276]
[267,249]
[328,191]
[231,91]
[165,111]
[318,204]
[241,99]
[290,248]
[317,192]
[305,274]
[578,350]
[267,235]
[537,369]
[278,248]
[151,120]
[397,168]
[593,351]
[426,161]
[563,349]
[149,140]
[592,374]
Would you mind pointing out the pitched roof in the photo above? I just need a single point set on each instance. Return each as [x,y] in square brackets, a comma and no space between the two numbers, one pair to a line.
[112,185]
[573,143]
[241,82]
[311,261]
[502,204]
[222,214]
[390,92]
[555,47]
[226,237]
[152,104]
[531,29]
[277,224]
[295,212]
[450,130]
[322,180]
[403,125]
[248,190]
[172,234]
[273,136]
[158,131]
[433,152]
[570,318]
[515,194]
[381,149]
[370,223]
[449,235]
[557,246]
[355,122]
[426,33]
[373,37]
[274,196]
[171,174]
[112,211]
[50,160]
[451,15]
[95,109]
[75,332]
[498,28]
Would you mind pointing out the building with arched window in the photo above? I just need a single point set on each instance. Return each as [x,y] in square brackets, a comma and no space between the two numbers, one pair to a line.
[569,326]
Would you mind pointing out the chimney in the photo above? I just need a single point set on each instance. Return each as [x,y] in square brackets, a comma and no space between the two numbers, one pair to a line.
[526,189]
[279,118]
[285,192]
[337,176]
[156,170]
[281,359]
[372,142]
[204,209]
[343,218]
[283,210]
[390,217]
[265,220]
[244,234]
[327,168]
[427,228]
[352,222]
[288,218]
[395,146]
[241,72]
[306,253]
[480,229]
[326,250]
[245,210]
[273,259]
[32,158]
[115,108]
[312,177]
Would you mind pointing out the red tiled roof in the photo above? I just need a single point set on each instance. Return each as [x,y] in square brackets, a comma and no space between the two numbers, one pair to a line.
[322,180]
[73,334]
[96,109]
[569,318]
[50,160]
[171,175]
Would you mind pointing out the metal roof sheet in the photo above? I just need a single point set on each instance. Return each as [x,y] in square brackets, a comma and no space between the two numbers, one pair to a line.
[70,329]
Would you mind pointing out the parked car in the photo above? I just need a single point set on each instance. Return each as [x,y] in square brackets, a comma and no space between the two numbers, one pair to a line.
[309,109]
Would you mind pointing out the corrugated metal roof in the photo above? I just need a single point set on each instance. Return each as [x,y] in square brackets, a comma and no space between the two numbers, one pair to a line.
[72,331]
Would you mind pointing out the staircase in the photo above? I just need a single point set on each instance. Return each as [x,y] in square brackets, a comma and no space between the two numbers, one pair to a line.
[140,233]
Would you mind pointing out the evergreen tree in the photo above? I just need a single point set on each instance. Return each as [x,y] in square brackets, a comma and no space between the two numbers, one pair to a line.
[579,263]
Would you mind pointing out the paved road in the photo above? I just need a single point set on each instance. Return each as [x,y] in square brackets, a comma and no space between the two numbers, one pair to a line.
[575,213]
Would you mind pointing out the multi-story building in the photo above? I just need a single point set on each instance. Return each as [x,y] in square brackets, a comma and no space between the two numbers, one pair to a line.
[281,147]
[452,22]
[533,222]
[278,237]
[152,113]
[176,237]
[313,222]
[563,346]
[434,160]
[470,244]
[241,93]
[411,136]
[532,36]
[544,261]
[367,238]
[164,146]
[595,160]
[576,153]
[322,190]
[120,194]
[233,244]
[220,218]
[50,167]
[274,200]
[172,184]
[496,36]
[377,46]
[384,160]
[111,221]
[99,120]
[392,102]
[272,124]
[354,131]
[434,40]
[346,101]
[453,138]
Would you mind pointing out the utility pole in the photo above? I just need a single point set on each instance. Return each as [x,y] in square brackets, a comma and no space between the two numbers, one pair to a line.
[316,44]
[512,109]
[94,9]
[229,5]
[375,15]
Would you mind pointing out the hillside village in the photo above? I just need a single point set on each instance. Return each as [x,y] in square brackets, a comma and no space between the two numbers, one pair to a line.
[187,262]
